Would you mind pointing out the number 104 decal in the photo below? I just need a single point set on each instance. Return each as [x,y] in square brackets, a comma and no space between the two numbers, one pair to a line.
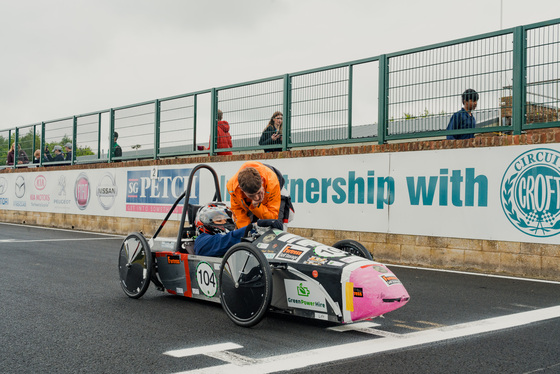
[206,279]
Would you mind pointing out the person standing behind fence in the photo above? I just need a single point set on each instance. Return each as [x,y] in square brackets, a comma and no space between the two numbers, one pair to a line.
[464,118]
[68,147]
[224,137]
[58,156]
[37,156]
[21,158]
[117,150]
[272,133]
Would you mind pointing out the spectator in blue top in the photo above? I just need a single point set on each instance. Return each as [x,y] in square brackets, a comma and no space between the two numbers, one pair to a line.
[464,118]
[216,230]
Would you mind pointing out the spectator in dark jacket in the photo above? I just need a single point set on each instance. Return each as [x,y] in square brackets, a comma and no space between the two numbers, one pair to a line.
[272,133]
[68,148]
[58,156]
[21,158]
[464,119]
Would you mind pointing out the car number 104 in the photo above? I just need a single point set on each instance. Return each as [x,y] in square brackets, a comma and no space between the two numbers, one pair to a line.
[206,279]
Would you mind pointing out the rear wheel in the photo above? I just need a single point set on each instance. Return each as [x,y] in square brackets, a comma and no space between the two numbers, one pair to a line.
[245,284]
[135,265]
[354,248]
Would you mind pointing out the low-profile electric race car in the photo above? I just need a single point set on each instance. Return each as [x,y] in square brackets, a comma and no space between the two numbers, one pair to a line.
[270,270]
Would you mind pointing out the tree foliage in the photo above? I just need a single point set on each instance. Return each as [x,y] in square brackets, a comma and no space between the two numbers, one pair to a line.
[29,142]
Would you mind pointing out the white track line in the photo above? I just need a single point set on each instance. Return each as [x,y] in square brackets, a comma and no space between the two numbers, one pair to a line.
[319,356]
[57,229]
[202,350]
[50,240]
[470,273]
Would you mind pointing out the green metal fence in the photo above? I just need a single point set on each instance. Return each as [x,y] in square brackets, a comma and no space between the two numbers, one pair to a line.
[392,97]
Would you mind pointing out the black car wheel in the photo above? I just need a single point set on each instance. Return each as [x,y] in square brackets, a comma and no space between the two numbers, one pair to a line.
[135,265]
[245,284]
[353,247]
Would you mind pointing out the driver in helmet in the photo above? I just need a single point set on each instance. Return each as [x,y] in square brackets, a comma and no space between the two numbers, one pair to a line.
[216,231]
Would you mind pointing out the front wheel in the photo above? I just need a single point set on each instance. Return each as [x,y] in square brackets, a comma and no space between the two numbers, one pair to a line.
[354,248]
[245,284]
[135,265]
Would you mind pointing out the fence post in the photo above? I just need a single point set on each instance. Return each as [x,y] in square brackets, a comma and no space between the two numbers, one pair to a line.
[43,145]
[16,150]
[157,117]
[519,79]
[99,136]
[350,87]
[287,113]
[111,132]
[34,146]
[382,100]
[195,148]
[74,137]
[213,122]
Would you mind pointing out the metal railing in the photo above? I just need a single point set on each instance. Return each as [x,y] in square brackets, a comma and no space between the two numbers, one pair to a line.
[392,97]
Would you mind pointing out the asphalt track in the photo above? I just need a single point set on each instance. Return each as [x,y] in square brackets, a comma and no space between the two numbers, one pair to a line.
[62,311]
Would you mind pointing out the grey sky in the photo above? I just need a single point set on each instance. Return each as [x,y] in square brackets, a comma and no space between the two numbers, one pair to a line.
[61,58]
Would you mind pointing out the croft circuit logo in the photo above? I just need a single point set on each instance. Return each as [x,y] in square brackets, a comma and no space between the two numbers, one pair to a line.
[20,187]
[530,192]
[106,191]
[3,185]
[81,191]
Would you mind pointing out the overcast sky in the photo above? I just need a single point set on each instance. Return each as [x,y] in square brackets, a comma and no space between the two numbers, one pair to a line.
[61,58]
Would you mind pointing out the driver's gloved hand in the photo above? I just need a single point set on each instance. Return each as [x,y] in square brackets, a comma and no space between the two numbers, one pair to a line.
[248,230]
[274,223]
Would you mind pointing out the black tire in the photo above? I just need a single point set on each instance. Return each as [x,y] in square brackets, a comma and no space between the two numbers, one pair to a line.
[135,265]
[353,247]
[245,284]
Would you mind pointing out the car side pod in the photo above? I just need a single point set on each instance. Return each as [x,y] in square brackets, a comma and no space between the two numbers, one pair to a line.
[370,290]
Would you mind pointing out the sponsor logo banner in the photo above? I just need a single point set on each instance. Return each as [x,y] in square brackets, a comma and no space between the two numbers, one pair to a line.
[3,185]
[82,191]
[106,191]
[291,253]
[530,192]
[155,194]
[305,295]
[20,187]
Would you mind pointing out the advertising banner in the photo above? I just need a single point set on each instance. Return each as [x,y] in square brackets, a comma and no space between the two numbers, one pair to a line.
[496,193]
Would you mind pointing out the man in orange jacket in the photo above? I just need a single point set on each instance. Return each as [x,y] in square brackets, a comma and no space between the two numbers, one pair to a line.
[255,192]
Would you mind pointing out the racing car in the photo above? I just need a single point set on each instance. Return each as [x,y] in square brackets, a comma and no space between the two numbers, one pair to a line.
[269,270]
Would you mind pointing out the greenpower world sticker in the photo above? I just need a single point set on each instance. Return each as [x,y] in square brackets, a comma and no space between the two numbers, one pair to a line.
[530,192]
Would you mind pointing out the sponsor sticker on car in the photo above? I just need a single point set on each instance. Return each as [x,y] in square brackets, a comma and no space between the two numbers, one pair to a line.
[291,253]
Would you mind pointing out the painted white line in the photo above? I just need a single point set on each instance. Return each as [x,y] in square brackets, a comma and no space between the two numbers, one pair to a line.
[15,241]
[232,358]
[470,273]
[319,356]
[354,326]
[57,229]
[365,327]
[385,334]
[202,350]
[543,369]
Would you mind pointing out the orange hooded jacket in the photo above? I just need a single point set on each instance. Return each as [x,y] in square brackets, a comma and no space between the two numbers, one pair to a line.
[241,205]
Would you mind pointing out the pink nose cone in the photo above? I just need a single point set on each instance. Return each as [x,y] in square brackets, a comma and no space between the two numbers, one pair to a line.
[376,291]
